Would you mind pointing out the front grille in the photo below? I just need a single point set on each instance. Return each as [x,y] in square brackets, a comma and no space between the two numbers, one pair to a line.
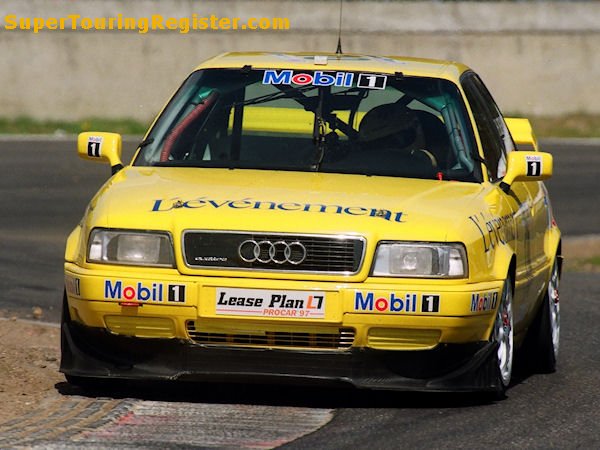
[305,253]
[329,338]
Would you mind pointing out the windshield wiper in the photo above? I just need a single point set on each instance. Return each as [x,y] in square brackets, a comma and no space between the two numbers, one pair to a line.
[275,96]
[146,142]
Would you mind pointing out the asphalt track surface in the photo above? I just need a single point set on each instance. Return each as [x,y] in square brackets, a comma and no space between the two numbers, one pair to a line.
[45,189]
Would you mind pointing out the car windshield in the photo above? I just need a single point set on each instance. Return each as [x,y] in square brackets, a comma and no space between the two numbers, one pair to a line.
[325,121]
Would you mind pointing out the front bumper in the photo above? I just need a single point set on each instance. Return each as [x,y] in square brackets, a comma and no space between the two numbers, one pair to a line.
[138,326]
[93,352]
[141,305]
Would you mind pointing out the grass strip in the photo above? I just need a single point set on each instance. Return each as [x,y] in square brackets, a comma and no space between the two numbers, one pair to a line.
[26,125]
[578,125]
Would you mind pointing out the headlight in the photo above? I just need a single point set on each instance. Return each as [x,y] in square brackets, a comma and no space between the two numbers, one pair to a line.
[420,259]
[143,248]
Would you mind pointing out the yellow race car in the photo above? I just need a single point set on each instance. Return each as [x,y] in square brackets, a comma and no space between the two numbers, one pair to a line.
[318,218]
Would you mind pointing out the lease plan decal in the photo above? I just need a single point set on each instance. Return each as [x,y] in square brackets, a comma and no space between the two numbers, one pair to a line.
[270,303]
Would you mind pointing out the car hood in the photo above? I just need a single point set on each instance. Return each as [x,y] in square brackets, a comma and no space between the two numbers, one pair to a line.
[176,199]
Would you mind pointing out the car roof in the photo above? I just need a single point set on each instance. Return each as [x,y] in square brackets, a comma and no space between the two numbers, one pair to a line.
[339,62]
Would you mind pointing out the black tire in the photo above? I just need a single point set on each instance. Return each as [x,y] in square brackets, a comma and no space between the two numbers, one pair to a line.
[544,334]
[65,318]
[77,381]
[92,384]
[65,352]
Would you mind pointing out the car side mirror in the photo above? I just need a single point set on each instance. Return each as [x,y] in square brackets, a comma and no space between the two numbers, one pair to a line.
[100,146]
[526,166]
[522,133]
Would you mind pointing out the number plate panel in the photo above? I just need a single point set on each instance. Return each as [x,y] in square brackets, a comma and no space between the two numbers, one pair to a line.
[270,303]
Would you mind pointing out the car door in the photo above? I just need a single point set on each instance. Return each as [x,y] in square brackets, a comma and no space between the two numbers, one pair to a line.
[496,143]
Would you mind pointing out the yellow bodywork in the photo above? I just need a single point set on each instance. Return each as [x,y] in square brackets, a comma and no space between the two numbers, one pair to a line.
[174,200]
[454,323]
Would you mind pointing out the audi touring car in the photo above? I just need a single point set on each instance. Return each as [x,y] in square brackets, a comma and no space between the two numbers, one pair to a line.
[318,218]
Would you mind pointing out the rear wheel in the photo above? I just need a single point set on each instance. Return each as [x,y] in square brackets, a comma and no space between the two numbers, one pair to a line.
[503,335]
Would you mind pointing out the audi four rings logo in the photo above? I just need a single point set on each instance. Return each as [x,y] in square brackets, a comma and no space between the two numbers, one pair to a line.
[279,252]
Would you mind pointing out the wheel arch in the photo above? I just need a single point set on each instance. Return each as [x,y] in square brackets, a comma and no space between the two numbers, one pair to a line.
[553,247]
[512,270]
[73,245]
[559,257]
[504,263]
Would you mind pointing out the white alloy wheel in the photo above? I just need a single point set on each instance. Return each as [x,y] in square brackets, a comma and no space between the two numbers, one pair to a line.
[554,309]
[503,334]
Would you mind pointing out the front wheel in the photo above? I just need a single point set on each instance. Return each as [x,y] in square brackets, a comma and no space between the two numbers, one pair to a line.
[545,331]
[66,355]
[503,335]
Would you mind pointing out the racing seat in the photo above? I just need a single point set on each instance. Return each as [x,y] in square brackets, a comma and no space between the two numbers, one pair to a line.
[436,137]
[392,142]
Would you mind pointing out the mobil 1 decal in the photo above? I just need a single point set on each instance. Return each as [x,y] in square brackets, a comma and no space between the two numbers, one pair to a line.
[534,165]
[371,81]
[176,293]
[407,303]
[153,292]
[94,145]
[430,303]
[322,78]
